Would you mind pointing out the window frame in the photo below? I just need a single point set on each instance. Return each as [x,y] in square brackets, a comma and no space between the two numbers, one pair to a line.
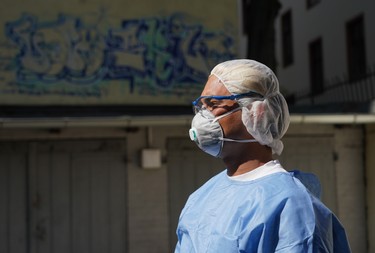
[316,66]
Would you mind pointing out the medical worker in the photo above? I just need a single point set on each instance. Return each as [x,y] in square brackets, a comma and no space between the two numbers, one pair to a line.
[254,205]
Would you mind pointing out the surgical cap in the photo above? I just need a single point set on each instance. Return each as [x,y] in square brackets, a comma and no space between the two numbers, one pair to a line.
[265,118]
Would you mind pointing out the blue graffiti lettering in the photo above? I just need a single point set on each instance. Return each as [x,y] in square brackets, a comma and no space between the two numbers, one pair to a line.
[162,52]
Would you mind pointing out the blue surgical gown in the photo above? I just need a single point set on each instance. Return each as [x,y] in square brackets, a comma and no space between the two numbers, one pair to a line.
[275,213]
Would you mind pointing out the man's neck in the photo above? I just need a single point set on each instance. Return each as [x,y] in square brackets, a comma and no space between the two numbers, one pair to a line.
[235,170]
[242,162]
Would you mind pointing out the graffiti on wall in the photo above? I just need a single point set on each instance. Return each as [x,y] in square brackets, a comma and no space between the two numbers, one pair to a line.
[70,57]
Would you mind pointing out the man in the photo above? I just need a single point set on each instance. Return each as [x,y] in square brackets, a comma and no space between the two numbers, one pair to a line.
[255,205]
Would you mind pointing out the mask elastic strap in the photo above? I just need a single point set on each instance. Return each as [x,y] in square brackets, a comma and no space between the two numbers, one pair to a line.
[226,114]
[243,141]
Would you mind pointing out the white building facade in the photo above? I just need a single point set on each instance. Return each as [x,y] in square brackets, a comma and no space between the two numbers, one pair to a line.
[319,43]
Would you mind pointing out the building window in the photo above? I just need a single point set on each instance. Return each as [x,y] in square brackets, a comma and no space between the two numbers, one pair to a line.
[356,50]
[311,3]
[287,38]
[316,66]
[245,10]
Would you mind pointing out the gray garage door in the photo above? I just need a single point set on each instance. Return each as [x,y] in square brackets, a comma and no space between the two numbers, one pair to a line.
[66,196]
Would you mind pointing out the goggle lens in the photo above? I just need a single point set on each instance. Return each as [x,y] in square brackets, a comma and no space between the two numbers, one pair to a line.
[204,102]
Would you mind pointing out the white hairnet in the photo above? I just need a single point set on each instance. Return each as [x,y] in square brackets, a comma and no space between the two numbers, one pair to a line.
[266,118]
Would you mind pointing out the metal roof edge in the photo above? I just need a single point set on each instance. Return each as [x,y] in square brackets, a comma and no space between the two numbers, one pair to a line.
[170,120]
[333,118]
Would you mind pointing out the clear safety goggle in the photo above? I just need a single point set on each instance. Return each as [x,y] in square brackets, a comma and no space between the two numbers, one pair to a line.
[204,102]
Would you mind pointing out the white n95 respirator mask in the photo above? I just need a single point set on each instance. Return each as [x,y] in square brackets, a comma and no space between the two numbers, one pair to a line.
[207,133]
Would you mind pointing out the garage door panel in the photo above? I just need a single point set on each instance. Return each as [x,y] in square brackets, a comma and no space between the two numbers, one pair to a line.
[13,229]
[80,205]
[63,196]
[314,154]
[60,202]
[117,208]
[99,206]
